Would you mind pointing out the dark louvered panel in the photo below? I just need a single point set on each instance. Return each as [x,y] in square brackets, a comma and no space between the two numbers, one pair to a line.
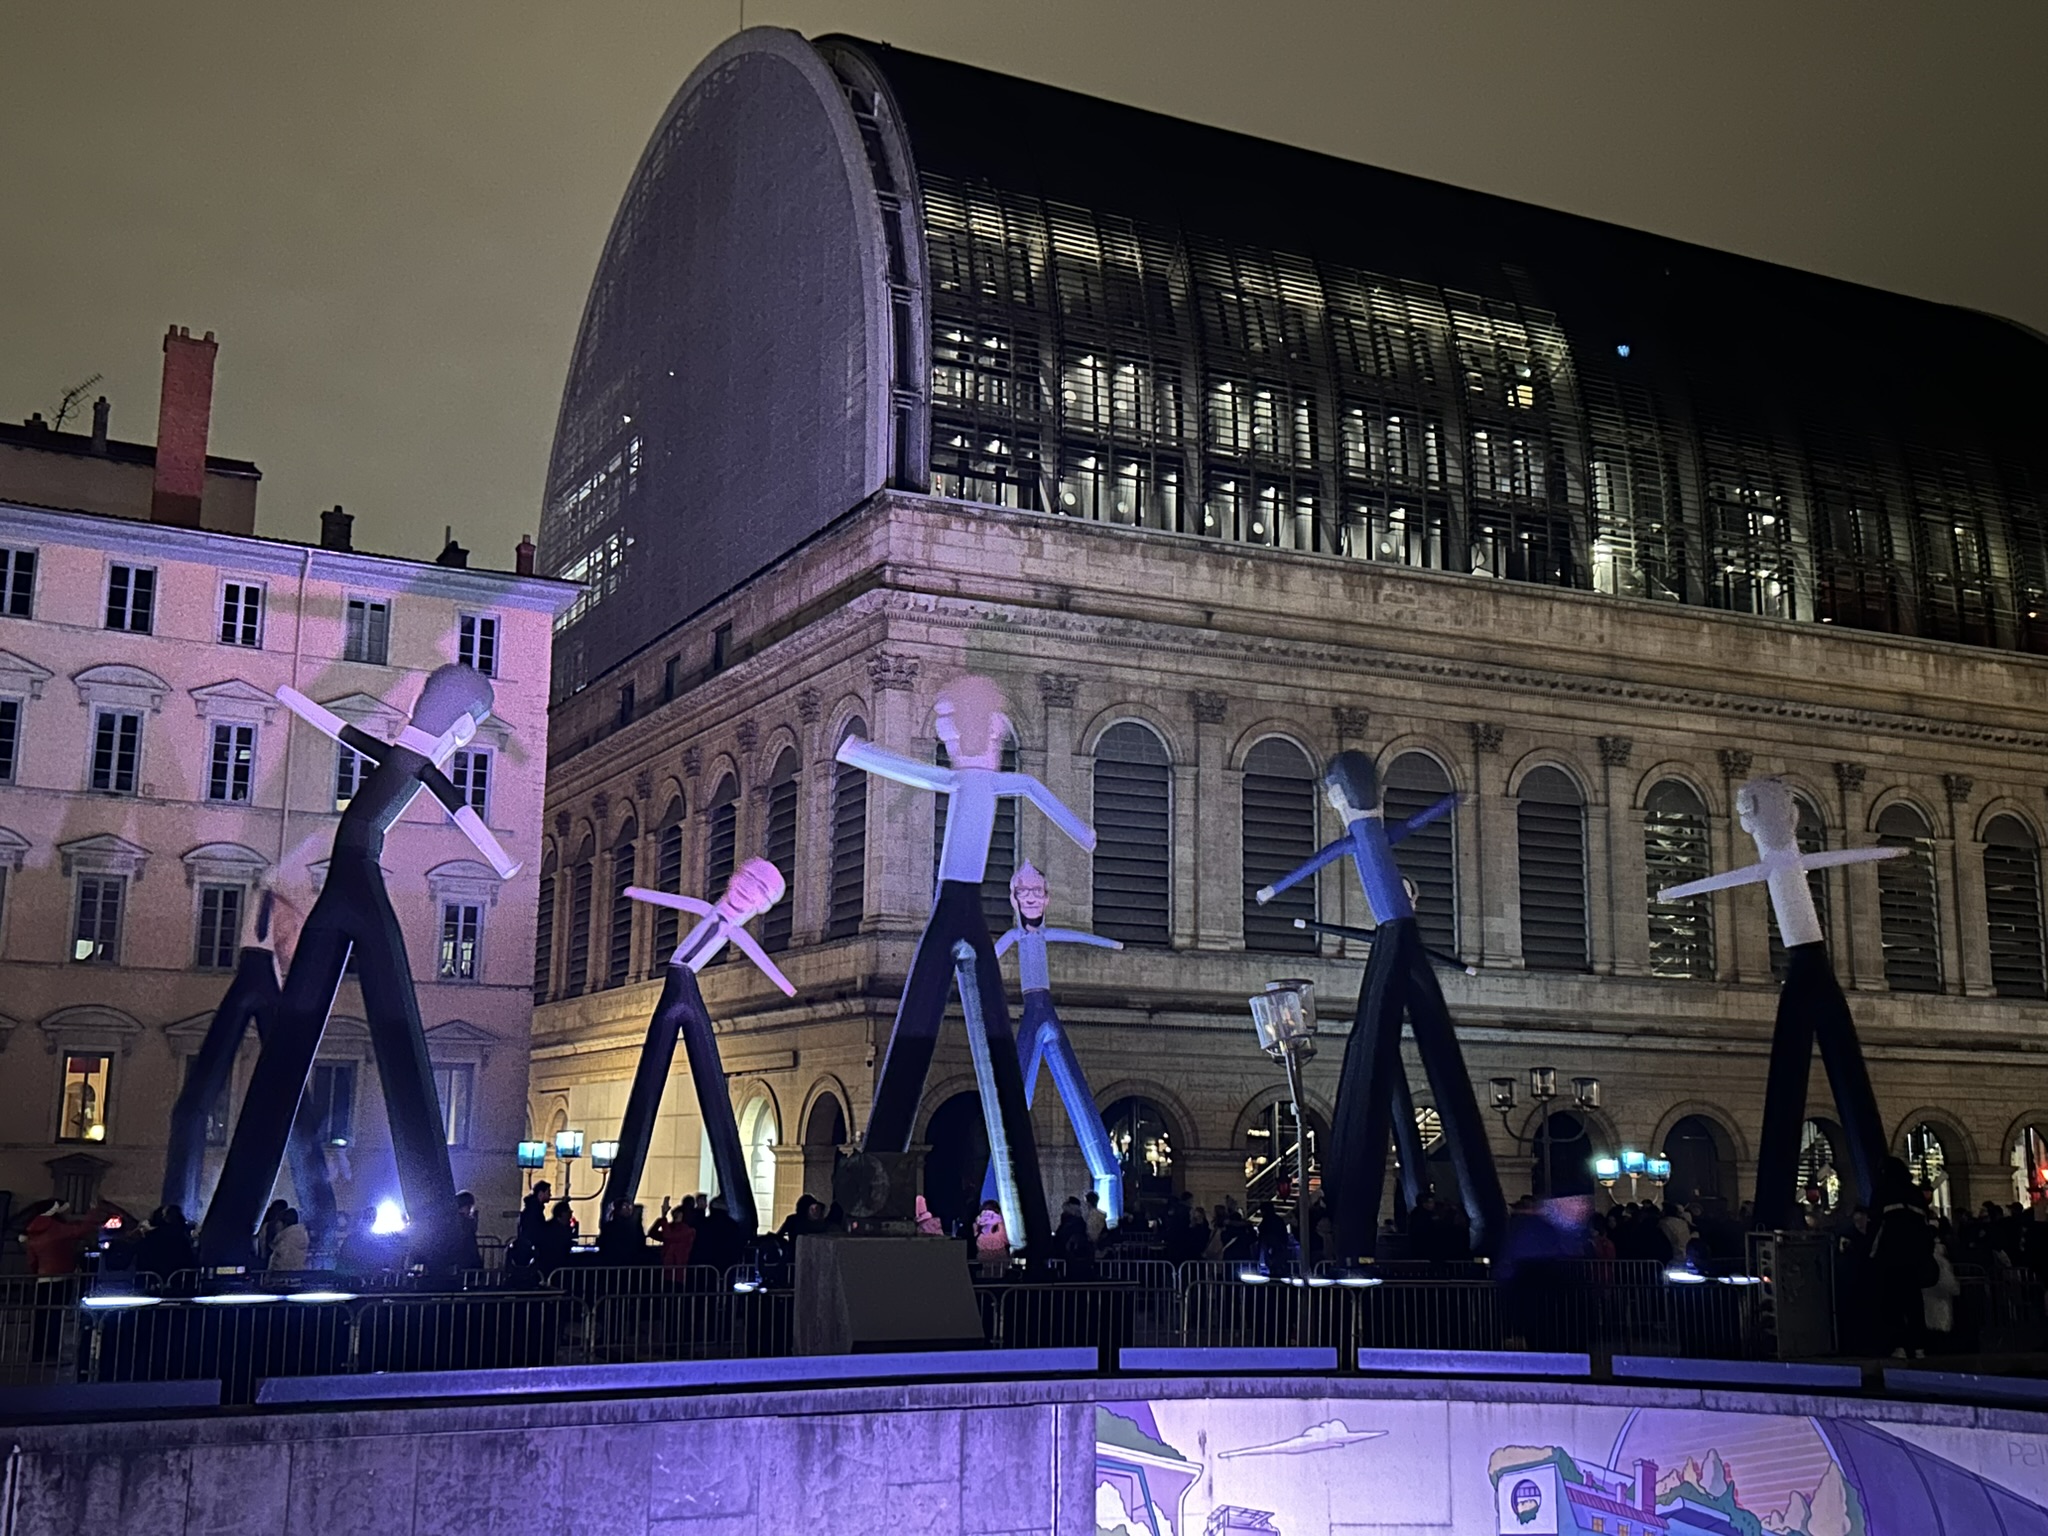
[721,845]
[1279,835]
[1133,837]
[1676,850]
[1813,838]
[779,848]
[1550,833]
[582,882]
[544,933]
[849,852]
[1907,907]
[1428,858]
[2012,903]
[668,876]
[1002,846]
[619,934]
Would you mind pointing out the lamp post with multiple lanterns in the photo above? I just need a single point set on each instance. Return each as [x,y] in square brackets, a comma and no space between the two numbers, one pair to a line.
[1542,1089]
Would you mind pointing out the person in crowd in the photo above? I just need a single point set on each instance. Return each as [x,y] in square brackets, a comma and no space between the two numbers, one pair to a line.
[806,1218]
[991,1240]
[1902,1262]
[621,1236]
[927,1220]
[676,1231]
[1198,1232]
[273,1221]
[1938,1301]
[469,1252]
[166,1247]
[290,1248]
[533,1217]
[720,1242]
[1098,1222]
[1276,1246]
[556,1241]
[1071,1242]
[55,1239]
[1678,1234]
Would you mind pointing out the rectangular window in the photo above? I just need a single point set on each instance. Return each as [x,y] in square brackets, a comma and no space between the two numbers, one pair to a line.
[671,678]
[349,768]
[96,933]
[18,583]
[455,1086]
[331,1096]
[234,763]
[476,643]
[116,750]
[470,772]
[82,1110]
[220,927]
[131,598]
[241,613]
[625,705]
[216,1112]
[10,739]
[369,631]
[461,926]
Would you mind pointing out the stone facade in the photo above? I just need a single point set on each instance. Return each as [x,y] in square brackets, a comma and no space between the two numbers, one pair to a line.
[1215,648]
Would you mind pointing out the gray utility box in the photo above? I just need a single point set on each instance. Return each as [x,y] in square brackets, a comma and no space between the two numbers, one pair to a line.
[857,1293]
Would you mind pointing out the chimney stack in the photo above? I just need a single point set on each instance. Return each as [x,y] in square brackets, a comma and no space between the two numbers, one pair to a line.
[1646,1486]
[452,554]
[335,530]
[522,557]
[184,414]
[100,412]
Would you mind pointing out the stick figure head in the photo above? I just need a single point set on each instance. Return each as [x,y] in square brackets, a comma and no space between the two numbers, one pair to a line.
[448,694]
[755,887]
[1768,812]
[1028,893]
[971,721]
[1352,783]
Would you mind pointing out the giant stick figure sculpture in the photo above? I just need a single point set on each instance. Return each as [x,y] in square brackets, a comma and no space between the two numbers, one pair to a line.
[971,722]
[755,887]
[1810,1005]
[354,914]
[1043,1040]
[1398,982]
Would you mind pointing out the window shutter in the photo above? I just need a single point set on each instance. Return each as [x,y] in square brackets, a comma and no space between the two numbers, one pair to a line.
[2012,901]
[1133,837]
[780,850]
[1550,831]
[1907,915]
[848,896]
[1676,850]
[1279,835]
[1429,858]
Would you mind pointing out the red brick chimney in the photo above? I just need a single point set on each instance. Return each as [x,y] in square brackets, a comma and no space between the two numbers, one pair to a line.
[522,555]
[183,416]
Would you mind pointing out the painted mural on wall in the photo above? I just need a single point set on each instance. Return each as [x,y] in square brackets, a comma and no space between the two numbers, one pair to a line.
[1348,1467]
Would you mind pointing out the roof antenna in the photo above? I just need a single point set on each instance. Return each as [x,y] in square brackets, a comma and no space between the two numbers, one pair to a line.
[69,402]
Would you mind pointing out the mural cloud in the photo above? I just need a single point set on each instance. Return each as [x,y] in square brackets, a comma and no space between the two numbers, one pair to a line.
[1325,1436]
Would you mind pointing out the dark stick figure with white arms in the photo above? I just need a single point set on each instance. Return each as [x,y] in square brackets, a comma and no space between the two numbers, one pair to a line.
[1811,1007]
[354,915]
[1042,1040]
[971,722]
[1372,1090]
[755,887]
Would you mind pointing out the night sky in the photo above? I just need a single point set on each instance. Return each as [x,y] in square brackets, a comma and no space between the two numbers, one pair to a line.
[389,210]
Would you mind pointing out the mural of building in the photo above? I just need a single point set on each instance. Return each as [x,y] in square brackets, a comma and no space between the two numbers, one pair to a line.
[894,369]
[151,785]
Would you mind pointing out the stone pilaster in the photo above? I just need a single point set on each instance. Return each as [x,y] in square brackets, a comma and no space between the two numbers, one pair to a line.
[1219,824]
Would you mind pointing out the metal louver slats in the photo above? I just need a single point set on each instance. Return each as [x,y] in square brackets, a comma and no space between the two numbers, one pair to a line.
[779,848]
[1428,858]
[1279,834]
[721,845]
[848,894]
[1551,841]
[1133,847]
[619,945]
[2012,903]
[1676,850]
[581,882]
[1908,914]
[544,935]
[668,876]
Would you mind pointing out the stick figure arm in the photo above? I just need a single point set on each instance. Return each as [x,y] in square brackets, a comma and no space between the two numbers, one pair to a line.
[754,952]
[1075,936]
[1049,804]
[1324,856]
[328,723]
[1749,874]
[457,805]
[870,758]
[689,904]
[1834,856]
[1004,944]
[1421,819]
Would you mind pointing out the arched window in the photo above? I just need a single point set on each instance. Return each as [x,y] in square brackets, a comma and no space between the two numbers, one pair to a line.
[582,886]
[1813,837]
[1002,843]
[721,844]
[1564,1152]
[2030,1164]
[1282,1155]
[1428,858]
[1133,836]
[779,848]
[849,893]
[758,1135]
[668,876]
[1279,835]
[1820,1186]
[1907,914]
[1702,1160]
[2012,906]
[1934,1170]
[1142,1137]
[1675,850]
[544,931]
[958,1160]
[1550,833]
[619,949]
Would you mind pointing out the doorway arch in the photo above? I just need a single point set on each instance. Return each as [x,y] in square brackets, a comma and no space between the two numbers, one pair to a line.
[957,1161]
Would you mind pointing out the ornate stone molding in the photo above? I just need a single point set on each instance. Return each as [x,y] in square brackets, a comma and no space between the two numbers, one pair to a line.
[230,862]
[234,699]
[121,685]
[562,824]
[1849,777]
[693,762]
[1351,722]
[1209,706]
[643,785]
[13,848]
[464,880]
[749,735]
[1614,750]
[21,677]
[104,854]
[886,672]
[1958,787]
[1058,689]
[1734,762]
[810,704]
[89,1027]
[1486,736]
[600,807]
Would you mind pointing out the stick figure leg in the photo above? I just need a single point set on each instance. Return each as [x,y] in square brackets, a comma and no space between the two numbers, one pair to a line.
[1777,1157]
[1841,1053]
[1049,1036]
[254,990]
[1456,1104]
[1009,1112]
[908,1059]
[1408,1148]
[1356,1168]
[643,1100]
[714,1101]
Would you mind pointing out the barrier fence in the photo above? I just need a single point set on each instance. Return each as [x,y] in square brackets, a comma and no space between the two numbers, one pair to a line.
[54,1331]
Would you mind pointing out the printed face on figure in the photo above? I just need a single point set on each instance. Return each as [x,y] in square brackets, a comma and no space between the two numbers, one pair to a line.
[970,720]
[1768,812]
[755,887]
[1028,894]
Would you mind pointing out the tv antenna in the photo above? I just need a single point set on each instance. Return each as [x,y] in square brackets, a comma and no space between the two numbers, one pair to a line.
[69,402]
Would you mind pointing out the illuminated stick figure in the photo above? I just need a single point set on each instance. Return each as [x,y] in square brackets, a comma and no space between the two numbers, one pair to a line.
[1372,1090]
[755,887]
[1811,1008]
[971,722]
[1043,1041]
[354,915]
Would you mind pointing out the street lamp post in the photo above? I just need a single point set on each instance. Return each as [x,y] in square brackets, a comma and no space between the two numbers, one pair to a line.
[1284,1016]
[1542,1089]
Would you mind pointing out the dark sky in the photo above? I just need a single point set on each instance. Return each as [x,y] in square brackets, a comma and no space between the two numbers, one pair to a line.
[390,210]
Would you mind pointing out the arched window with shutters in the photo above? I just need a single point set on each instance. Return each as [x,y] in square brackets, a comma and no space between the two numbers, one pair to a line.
[619,933]
[1002,843]
[544,931]
[1908,913]
[1550,840]
[1133,836]
[1812,833]
[668,876]
[779,848]
[582,886]
[1279,834]
[1675,850]
[2012,908]
[1428,858]
[849,893]
[721,837]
